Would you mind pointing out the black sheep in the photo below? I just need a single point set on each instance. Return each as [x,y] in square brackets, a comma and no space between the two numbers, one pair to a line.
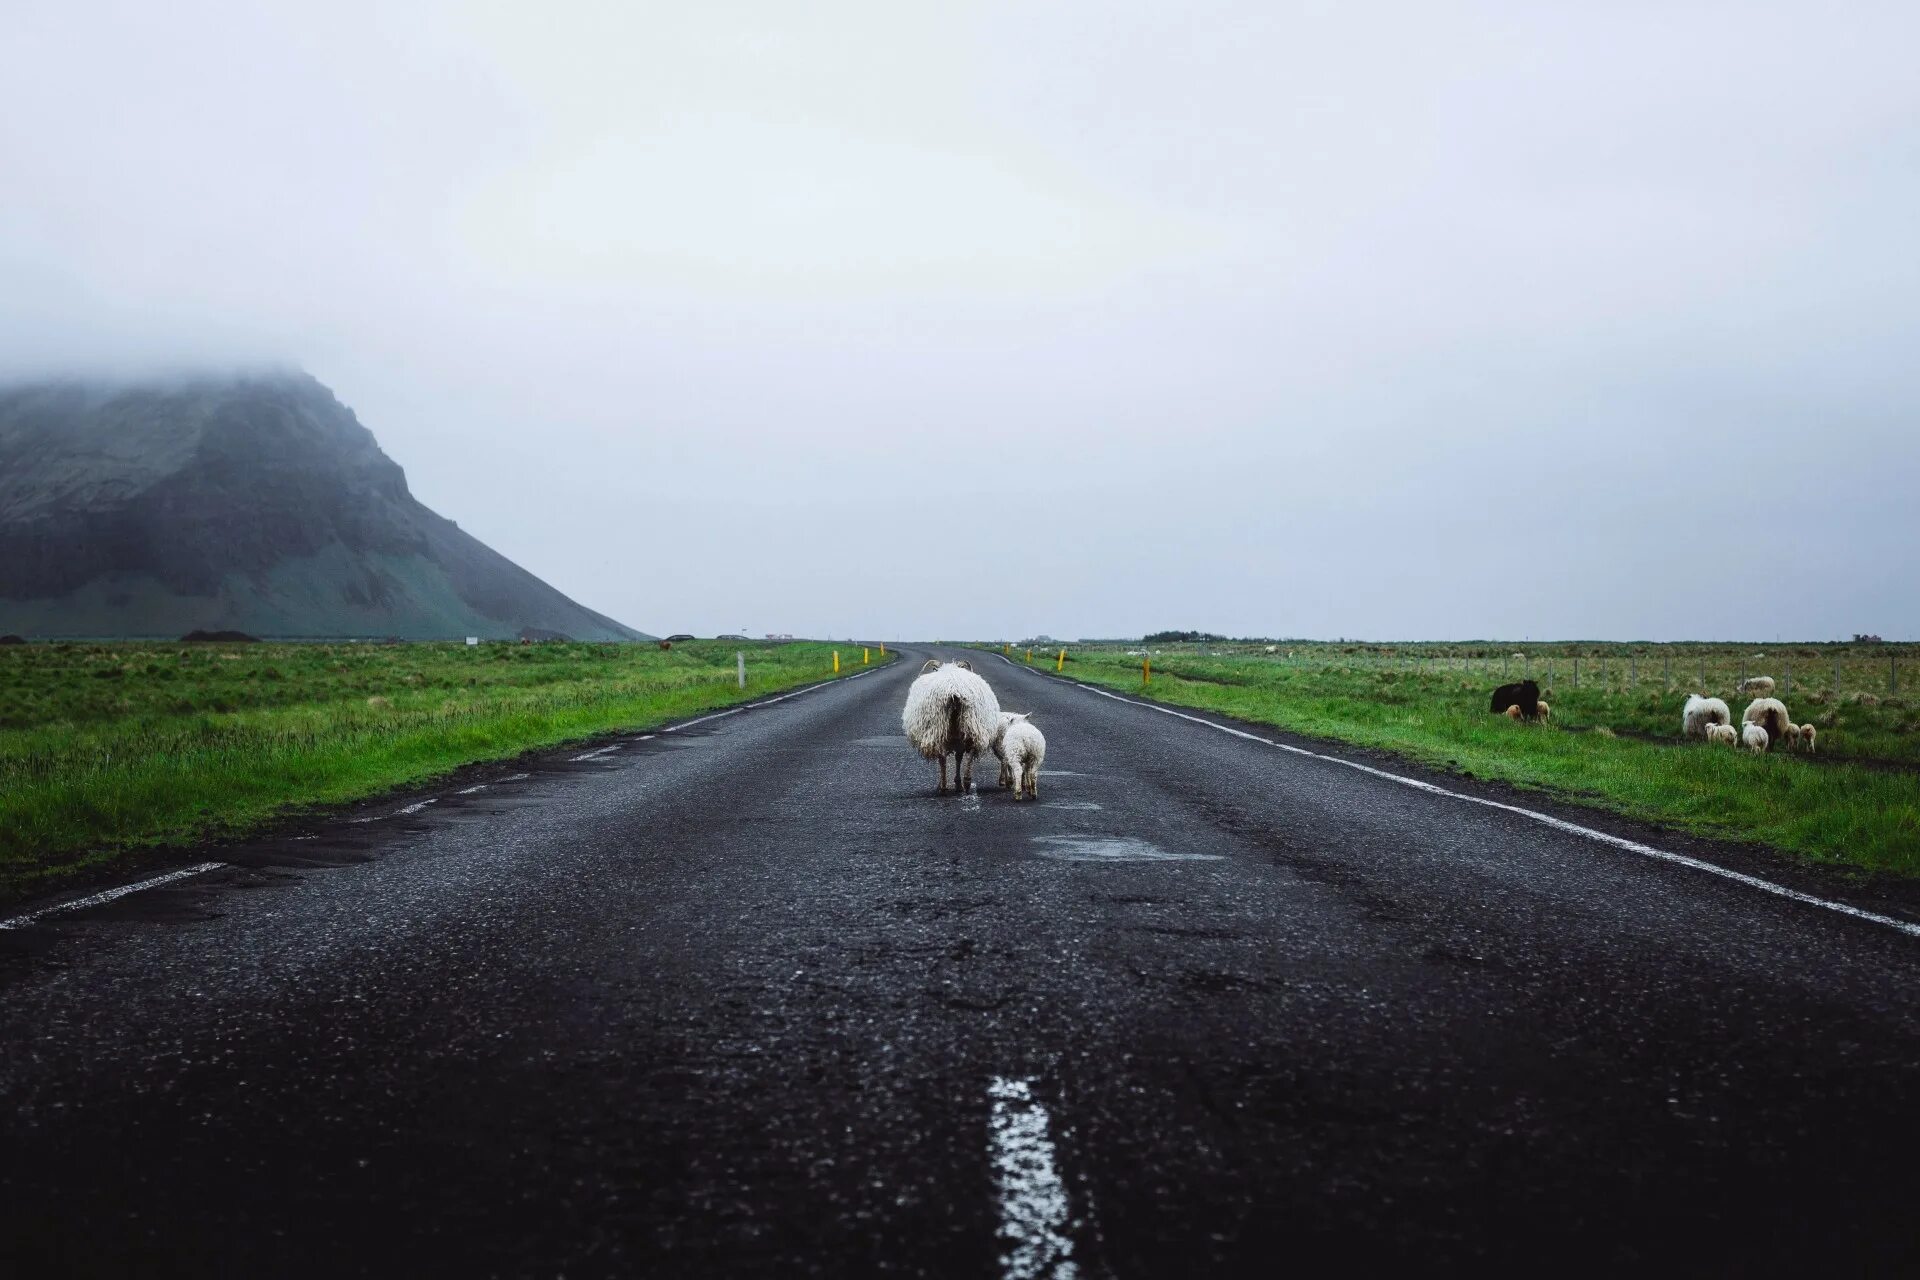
[1524,694]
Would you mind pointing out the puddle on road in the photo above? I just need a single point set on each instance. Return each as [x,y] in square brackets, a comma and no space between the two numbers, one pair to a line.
[1112,849]
[1077,806]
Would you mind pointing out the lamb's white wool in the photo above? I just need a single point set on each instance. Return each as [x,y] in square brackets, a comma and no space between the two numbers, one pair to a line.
[1701,712]
[1808,734]
[1025,747]
[1723,733]
[1544,710]
[950,711]
[1770,714]
[1758,686]
[1514,712]
[999,740]
[1754,738]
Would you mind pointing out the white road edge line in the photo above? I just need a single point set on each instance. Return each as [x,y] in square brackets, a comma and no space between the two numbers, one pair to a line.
[1032,1206]
[1907,927]
[108,895]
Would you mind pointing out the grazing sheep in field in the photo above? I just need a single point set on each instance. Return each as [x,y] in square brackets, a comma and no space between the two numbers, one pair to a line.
[1754,738]
[1758,686]
[1513,712]
[1025,748]
[1807,736]
[1524,694]
[1700,712]
[999,744]
[1542,710]
[950,711]
[1723,733]
[1770,714]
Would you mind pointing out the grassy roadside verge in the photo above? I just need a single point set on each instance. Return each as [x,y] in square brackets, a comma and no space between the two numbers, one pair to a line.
[1829,811]
[110,751]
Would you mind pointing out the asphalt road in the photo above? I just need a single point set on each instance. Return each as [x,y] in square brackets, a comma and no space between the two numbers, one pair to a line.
[749,998]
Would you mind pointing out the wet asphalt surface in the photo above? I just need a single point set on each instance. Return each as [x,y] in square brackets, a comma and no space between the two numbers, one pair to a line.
[729,1001]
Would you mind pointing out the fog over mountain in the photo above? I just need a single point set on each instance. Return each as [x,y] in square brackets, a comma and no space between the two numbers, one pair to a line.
[1309,319]
[242,502]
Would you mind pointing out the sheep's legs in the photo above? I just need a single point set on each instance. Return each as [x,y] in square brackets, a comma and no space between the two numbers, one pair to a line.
[966,777]
[943,775]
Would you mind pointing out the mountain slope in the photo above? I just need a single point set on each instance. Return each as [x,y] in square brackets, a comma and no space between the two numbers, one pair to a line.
[256,503]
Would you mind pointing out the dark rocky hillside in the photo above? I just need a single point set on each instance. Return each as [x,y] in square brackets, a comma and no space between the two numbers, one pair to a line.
[255,503]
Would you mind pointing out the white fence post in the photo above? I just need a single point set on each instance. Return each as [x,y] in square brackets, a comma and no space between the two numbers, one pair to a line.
[740,660]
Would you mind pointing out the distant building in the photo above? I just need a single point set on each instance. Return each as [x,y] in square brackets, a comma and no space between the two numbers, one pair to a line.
[779,635]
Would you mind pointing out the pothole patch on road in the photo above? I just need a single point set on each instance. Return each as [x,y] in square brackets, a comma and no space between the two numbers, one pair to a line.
[1112,849]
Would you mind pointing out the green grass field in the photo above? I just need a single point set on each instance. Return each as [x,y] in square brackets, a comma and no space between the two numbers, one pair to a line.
[110,750]
[1614,741]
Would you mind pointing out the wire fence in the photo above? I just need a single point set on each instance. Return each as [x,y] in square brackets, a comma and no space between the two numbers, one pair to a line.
[1837,671]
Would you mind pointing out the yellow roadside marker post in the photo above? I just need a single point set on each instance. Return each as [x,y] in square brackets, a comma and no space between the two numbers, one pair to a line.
[883,649]
[1146,671]
[866,656]
[1062,664]
[1029,655]
[836,662]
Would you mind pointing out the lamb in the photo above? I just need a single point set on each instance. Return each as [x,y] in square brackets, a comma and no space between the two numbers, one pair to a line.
[1754,738]
[1758,686]
[1723,733]
[1807,735]
[1524,694]
[950,711]
[1025,747]
[1700,712]
[1770,714]
[999,744]
[1541,712]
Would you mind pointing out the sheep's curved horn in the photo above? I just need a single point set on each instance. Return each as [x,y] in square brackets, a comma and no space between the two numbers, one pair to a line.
[964,665]
[933,664]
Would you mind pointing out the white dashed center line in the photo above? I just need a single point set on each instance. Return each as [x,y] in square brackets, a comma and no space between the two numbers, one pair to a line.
[1033,1207]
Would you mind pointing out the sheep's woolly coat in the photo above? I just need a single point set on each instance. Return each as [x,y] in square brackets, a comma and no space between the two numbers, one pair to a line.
[1701,712]
[1723,733]
[950,711]
[1770,714]
[1025,747]
[999,744]
[1754,738]
[1759,686]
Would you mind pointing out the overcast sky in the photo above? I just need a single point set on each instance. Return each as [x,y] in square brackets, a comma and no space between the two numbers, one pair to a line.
[1333,319]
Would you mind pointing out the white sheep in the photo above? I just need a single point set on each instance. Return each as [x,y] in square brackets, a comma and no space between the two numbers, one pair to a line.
[1723,733]
[1807,736]
[1758,686]
[999,744]
[950,711]
[1754,738]
[1770,714]
[1025,747]
[1700,712]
